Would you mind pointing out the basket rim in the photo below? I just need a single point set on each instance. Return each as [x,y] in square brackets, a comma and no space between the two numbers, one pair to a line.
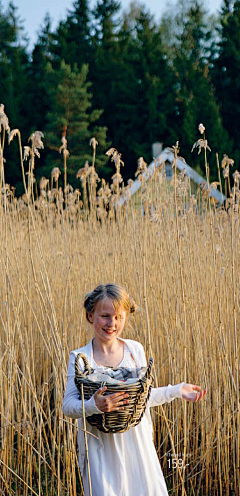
[89,370]
[139,393]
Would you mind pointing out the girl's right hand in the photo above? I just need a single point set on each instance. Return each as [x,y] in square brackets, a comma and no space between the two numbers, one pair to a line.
[111,402]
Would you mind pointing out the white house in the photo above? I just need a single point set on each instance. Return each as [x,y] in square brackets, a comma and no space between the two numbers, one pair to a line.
[166,157]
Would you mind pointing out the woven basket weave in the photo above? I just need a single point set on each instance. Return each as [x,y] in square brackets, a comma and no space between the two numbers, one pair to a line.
[121,420]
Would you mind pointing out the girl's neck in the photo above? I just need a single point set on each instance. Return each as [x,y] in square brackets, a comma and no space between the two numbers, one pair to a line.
[109,354]
[106,348]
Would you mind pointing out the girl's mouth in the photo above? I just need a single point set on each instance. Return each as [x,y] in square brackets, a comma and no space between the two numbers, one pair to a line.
[109,331]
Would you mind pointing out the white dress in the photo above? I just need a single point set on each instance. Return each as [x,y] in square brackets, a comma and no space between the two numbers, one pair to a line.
[126,464]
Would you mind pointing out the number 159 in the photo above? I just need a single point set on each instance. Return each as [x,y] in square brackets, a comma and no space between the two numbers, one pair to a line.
[176,462]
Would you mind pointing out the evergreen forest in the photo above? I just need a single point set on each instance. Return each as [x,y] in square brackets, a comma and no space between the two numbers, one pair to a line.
[125,79]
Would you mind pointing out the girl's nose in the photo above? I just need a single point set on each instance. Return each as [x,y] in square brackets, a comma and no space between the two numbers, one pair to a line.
[111,321]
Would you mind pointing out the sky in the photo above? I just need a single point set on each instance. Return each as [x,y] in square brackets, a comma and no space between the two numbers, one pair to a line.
[32,12]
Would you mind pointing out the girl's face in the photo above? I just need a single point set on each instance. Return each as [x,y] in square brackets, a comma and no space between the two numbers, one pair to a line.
[107,322]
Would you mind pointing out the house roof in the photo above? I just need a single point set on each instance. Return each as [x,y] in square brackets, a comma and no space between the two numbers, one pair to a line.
[168,156]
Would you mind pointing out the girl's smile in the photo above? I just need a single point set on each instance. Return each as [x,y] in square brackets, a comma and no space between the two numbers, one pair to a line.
[108,322]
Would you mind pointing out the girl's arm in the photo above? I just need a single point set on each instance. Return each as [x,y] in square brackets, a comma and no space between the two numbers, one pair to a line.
[72,405]
[188,392]
[165,394]
[161,395]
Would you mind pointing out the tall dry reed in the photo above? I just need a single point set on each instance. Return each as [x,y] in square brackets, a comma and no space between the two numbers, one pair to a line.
[179,257]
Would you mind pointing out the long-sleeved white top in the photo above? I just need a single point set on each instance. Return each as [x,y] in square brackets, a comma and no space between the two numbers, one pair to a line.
[119,447]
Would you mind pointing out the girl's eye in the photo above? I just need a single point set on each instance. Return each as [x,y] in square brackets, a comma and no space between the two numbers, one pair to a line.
[117,318]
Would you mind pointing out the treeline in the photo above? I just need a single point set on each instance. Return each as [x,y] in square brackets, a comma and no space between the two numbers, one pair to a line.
[125,79]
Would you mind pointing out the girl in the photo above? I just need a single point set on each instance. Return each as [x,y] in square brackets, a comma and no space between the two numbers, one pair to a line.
[123,464]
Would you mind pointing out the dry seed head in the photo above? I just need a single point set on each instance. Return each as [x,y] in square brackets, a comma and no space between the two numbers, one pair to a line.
[64,143]
[236,177]
[111,151]
[201,144]
[55,173]
[104,192]
[83,172]
[157,163]
[201,128]
[6,189]
[77,193]
[117,178]
[214,185]
[93,142]
[4,123]
[26,152]
[205,190]
[37,144]
[142,167]
[93,175]
[226,172]
[12,134]
[226,161]
[63,147]
[115,157]
[68,189]
[176,148]
[181,175]
[43,183]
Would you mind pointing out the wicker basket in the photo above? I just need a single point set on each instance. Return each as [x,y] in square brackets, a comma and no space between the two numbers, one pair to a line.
[121,420]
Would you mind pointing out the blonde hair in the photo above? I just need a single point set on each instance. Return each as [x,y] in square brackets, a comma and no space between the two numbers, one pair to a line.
[116,293]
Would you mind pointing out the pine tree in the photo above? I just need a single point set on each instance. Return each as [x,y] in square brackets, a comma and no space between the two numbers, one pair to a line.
[102,69]
[72,40]
[38,94]
[70,115]
[14,62]
[154,81]
[226,72]
[130,81]
[143,89]
[195,101]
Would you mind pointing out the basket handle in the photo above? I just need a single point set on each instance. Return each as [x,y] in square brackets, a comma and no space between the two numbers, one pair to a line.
[143,380]
[148,371]
[87,369]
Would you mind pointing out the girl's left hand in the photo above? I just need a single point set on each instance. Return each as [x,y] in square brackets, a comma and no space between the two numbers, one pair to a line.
[191,392]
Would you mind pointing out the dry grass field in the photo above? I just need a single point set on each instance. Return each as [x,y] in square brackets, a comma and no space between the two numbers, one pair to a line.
[180,262]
